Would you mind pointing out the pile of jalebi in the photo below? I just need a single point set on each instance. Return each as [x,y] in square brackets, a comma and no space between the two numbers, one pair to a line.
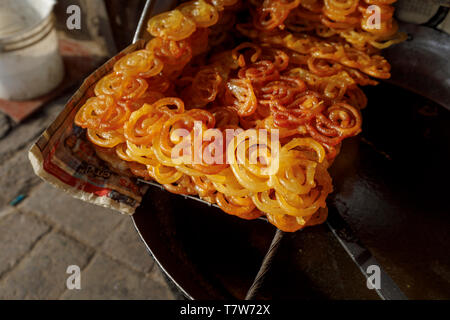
[292,67]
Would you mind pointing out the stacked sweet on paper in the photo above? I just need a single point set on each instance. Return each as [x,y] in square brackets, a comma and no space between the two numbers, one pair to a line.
[244,103]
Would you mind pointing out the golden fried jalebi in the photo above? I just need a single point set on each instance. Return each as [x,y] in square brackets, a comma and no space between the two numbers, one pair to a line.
[250,125]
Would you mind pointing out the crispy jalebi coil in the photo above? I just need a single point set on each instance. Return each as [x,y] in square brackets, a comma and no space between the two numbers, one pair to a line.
[139,170]
[169,51]
[277,57]
[171,25]
[291,224]
[166,175]
[226,183]
[174,54]
[226,117]
[243,207]
[202,13]
[105,139]
[336,123]
[341,10]
[204,88]
[285,133]
[273,13]
[304,107]
[94,111]
[147,121]
[225,63]
[137,153]
[259,72]
[240,94]
[323,67]
[177,146]
[253,159]
[300,186]
[148,97]
[280,91]
[183,185]
[121,87]
[140,63]
[203,186]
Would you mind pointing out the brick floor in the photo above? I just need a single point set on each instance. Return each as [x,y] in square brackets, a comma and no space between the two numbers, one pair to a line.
[124,245]
[49,230]
[107,275]
[4,125]
[21,136]
[16,178]
[42,273]
[12,247]
[89,223]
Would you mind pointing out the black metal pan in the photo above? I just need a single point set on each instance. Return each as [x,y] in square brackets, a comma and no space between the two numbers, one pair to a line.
[390,207]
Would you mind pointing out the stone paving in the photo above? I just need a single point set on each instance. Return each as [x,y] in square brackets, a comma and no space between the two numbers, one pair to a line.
[49,231]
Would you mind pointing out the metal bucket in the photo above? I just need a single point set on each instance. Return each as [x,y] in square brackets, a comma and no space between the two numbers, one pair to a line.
[30,62]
